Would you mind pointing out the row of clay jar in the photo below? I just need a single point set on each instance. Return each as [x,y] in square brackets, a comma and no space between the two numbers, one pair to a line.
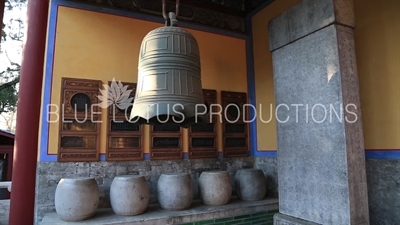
[78,198]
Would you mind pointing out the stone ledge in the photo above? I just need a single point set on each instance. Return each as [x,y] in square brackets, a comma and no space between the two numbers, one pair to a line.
[281,219]
[157,216]
[6,184]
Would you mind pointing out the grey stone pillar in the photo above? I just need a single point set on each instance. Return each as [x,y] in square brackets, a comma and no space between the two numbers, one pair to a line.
[321,161]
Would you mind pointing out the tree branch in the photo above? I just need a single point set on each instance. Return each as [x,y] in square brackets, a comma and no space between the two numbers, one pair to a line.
[12,63]
[9,84]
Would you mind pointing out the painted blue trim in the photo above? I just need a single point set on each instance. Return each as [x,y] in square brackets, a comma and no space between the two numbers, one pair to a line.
[48,158]
[151,18]
[44,139]
[102,157]
[251,83]
[44,157]
[380,154]
[185,155]
[369,154]
[251,87]
[266,154]
[259,8]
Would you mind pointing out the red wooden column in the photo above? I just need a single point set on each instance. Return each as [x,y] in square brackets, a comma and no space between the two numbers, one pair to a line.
[28,117]
[2,4]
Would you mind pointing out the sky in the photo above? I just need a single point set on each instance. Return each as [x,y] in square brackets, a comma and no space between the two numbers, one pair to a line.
[13,48]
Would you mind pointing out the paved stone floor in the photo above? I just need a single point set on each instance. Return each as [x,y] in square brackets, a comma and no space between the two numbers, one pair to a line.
[157,216]
[3,220]
[4,211]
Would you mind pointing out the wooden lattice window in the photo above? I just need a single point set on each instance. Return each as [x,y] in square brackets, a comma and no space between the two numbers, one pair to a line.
[80,120]
[203,137]
[124,138]
[166,142]
[234,125]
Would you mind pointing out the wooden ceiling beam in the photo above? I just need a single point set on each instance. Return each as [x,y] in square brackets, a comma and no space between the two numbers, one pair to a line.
[212,7]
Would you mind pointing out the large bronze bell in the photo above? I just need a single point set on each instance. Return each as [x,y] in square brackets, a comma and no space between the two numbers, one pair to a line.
[169,87]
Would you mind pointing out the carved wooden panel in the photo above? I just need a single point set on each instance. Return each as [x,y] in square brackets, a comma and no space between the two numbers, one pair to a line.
[234,125]
[203,137]
[124,138]
[79,132]
[166,146]
[165,129]
[166,142]
[79,97]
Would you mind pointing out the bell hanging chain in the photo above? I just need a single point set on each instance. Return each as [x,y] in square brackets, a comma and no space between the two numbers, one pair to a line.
[170,20]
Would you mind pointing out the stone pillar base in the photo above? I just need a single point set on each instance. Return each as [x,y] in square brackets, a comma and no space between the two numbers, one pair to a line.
[281,219]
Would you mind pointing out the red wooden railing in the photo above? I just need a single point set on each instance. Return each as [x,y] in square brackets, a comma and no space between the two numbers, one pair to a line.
[7,152]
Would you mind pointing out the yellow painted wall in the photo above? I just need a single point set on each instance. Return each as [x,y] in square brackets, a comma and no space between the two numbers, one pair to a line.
[101,46]
[266,131]
[377,40]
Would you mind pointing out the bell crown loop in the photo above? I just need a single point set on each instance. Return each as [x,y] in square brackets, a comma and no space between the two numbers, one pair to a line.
[170,20]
